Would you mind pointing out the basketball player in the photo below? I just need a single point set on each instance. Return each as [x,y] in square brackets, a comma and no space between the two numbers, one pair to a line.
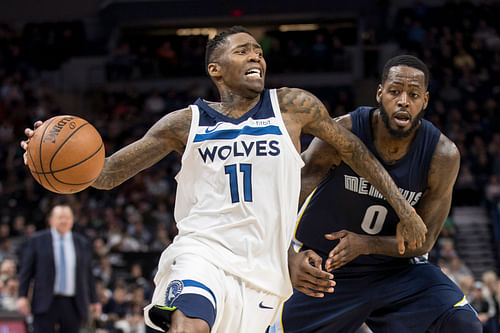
[348,225]
[238,191]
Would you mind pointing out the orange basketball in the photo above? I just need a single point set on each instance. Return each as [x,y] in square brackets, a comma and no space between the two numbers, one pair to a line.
[65,154]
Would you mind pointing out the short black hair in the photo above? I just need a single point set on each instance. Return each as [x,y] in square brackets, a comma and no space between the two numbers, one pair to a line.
[406,60]
[219,40]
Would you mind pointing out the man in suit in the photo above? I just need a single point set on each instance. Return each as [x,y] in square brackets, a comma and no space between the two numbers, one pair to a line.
[58,261]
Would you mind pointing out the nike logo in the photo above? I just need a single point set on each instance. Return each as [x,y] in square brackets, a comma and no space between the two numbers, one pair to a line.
[210,130]
[262,306]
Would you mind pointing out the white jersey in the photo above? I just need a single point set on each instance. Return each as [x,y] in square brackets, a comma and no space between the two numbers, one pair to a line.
[237,194]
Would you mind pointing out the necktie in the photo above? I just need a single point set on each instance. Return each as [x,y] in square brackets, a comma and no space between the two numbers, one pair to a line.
[62,268]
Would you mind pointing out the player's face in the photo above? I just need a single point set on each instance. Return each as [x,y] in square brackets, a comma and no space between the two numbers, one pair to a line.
[61,219]
[242,64]
[402,100]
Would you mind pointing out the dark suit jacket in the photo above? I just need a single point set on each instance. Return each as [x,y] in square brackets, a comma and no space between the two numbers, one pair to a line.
[38,265]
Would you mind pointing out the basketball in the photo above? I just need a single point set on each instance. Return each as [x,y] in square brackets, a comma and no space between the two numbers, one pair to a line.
[65,154]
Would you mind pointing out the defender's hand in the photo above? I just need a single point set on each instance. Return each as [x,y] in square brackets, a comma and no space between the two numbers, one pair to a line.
[307,275]
[29,133]
[412,231]
[350,246]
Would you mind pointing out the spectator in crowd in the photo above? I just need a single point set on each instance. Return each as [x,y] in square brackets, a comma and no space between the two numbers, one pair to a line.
[116,308]
[167,59]
[490,289]
[8,269]
[457,268]
[484,306]
[9,294]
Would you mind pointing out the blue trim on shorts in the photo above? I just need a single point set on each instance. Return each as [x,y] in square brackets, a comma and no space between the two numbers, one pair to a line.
[193,283]
[196,306]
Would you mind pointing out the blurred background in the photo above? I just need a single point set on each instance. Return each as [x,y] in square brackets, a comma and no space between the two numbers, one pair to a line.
[123,64]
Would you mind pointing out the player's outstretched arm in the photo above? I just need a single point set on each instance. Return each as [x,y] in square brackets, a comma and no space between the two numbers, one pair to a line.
[308,111]
[167,134]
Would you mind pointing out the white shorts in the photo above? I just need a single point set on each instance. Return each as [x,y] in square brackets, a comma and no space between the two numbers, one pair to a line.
[201,290]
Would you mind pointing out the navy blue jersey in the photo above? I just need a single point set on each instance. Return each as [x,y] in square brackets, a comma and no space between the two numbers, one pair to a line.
[344,200]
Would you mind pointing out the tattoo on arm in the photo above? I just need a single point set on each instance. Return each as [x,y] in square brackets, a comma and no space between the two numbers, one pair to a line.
[300,102]
[315,120]
[169,133]
[127,162]
[362,161]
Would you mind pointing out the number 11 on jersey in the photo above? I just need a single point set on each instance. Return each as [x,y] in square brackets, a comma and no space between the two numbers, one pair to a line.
[246,169]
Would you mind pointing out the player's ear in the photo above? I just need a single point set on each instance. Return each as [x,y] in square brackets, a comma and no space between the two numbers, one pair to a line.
[214,69]
[378,96]
[426,99]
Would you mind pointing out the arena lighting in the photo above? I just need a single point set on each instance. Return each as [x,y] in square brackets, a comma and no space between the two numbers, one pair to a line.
[298,27]
[210,32]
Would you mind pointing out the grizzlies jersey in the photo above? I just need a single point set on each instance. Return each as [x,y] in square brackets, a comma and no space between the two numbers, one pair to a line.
[344,200]
[237,194]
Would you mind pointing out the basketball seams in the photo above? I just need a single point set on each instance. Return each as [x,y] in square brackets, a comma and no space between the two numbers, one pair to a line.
[88,158]
[34,166]
[73,165]
[62,145]
[40,152]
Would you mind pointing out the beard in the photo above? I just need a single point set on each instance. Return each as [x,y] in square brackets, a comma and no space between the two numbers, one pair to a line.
[399,133]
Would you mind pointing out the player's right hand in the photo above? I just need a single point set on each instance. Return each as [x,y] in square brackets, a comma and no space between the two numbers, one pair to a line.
[307,275]
[29,133]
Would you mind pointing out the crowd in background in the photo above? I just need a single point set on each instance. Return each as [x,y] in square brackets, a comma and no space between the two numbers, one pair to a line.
[135,220]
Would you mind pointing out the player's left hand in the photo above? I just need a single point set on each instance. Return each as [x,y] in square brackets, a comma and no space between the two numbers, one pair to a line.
[29,133]
[412,231]
[350,246]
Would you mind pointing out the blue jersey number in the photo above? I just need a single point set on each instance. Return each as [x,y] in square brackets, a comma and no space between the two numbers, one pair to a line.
[246,169]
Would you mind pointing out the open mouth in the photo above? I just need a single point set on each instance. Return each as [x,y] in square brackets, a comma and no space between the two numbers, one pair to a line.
[402,119]
[254,72]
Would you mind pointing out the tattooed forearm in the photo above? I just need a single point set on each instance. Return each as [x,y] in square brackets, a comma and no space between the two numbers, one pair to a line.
[127,162]
[169,133]
[362,161]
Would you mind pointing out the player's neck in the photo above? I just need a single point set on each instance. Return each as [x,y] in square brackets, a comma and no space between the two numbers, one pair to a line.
[233,105]
[390,148]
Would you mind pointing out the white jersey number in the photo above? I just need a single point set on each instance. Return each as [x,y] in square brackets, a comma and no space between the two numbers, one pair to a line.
[374,219]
